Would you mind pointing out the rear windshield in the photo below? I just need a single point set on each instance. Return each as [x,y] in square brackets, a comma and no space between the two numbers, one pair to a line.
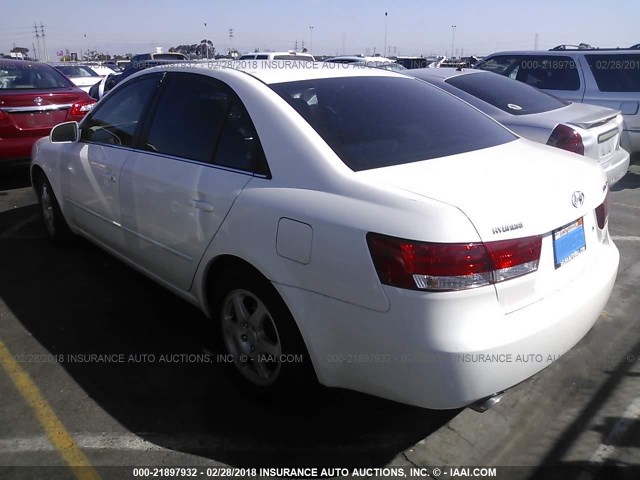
[506,94]
[616,73]
[76,71]
[31,77]
[373,122]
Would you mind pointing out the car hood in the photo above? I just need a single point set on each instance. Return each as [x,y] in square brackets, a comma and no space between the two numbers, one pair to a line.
[512,190]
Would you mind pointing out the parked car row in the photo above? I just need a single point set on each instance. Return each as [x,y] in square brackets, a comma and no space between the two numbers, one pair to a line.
[355,226]
[584,129]
[34,97]
[610,78]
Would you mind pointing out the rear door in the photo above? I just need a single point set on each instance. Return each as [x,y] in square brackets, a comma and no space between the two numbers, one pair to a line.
[198,152]
[91,184]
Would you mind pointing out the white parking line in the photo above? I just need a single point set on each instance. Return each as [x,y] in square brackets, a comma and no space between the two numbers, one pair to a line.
[608,448]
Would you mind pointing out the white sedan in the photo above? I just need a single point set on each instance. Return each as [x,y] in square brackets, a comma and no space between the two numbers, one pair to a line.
[82,76]
[349,225]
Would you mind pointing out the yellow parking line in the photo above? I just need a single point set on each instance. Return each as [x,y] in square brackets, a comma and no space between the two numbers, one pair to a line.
[58,435]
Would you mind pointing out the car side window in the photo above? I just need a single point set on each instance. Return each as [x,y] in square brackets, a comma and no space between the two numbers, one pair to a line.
[116,119]
[239,146]
[189,118]
[550,72]
[616,72]
[199,118]
[503,65]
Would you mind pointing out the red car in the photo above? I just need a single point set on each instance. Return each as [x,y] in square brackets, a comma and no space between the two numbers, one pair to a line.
[34,97]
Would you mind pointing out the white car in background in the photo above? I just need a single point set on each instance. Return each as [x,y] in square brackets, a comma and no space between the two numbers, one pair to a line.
[288,55]
[82,76]
[353,225]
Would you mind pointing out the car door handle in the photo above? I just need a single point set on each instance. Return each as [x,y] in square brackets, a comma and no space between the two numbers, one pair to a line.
[201,205]
[109,176]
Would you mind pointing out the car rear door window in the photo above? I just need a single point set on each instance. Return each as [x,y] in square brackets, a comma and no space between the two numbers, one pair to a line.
[508,95]
[200,118]
[549,72]
[616,72]
[116,119]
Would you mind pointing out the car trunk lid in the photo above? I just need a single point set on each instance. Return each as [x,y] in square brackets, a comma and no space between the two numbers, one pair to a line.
[515,190]
[38,109]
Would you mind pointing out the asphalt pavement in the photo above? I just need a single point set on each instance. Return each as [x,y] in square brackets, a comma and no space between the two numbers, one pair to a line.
[102,367]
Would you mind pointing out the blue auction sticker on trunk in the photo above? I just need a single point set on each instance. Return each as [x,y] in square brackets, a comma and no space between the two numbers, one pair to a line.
[568,242]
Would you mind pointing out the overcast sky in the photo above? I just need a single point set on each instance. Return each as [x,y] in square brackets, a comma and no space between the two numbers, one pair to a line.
[413,27]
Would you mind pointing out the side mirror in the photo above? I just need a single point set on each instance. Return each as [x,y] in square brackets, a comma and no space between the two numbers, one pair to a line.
[67,132]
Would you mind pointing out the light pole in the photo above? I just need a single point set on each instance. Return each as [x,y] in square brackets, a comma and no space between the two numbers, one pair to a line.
[453,34]
[205,41]
[386,14]
[311,40]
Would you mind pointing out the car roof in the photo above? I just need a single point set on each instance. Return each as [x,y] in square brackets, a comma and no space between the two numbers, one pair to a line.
[444,73]
[17,61]
[280,71]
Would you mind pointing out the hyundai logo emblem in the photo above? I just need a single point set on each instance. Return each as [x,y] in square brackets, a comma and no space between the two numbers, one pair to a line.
[577,199]
[38,101]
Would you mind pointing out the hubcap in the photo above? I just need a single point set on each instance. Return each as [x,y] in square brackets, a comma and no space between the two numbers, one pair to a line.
[251,336]
[47,209]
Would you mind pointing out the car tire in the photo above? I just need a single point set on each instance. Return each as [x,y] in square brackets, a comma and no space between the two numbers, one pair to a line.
[260,336]
[57,228]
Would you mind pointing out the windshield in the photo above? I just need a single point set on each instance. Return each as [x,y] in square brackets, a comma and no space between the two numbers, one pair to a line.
[77,71]
[373,122]
[508,95]
[31,77]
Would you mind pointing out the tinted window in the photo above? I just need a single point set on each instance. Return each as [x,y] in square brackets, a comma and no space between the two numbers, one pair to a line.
[373,122]
[189,118]
[262,57]
[116,119]
[239,147]
[551,72]
[20,76]
[616,73]
[508,95]
[201,119]
[503,65]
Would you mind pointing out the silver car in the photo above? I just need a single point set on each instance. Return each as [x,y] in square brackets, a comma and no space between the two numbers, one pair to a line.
[606,77]
[588,130]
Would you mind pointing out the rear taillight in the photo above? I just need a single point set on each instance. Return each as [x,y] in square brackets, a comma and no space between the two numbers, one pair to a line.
[451,266]
[81,108]
[566,138]
[602,212]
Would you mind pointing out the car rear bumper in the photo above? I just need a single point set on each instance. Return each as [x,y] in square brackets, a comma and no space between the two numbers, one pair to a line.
[447,350]
[617,167]
[16,149]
